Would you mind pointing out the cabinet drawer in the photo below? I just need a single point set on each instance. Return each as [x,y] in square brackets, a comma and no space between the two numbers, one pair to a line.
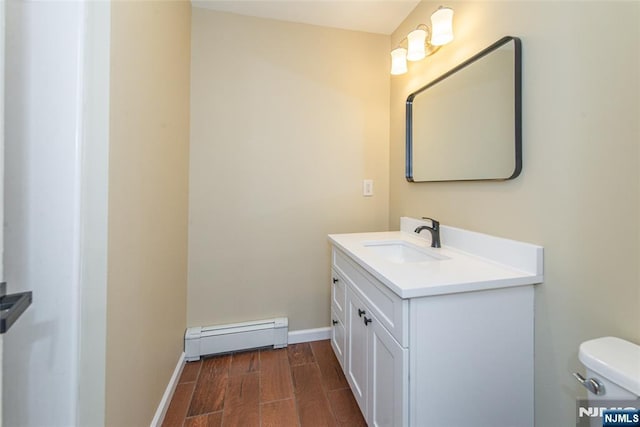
[389,308]
[338,294]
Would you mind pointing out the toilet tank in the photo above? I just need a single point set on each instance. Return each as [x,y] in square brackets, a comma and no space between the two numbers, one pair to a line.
[615,363]
[613,371]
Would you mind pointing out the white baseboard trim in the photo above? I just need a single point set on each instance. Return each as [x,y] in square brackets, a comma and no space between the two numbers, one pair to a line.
[158,418]
[306,335]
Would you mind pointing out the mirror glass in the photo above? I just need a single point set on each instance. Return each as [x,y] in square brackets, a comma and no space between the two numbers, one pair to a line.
[466,124]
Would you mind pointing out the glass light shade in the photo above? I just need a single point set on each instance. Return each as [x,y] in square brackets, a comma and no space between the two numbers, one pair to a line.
[442,26]
[398,61]
[416,41]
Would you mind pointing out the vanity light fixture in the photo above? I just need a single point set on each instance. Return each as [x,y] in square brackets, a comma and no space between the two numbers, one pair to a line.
[423,41]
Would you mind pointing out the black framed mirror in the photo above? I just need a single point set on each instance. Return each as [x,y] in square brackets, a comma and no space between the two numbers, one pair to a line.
[466,125]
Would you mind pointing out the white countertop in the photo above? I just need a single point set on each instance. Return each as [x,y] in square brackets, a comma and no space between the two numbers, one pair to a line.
[461,271]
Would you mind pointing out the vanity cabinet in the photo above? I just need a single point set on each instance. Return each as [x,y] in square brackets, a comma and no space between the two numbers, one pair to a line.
[374,362]
[454,359]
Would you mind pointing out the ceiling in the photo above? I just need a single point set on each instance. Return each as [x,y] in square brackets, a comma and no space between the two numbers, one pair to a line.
[373,16]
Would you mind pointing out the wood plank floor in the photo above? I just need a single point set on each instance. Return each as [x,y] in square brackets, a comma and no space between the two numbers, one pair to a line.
[301,385]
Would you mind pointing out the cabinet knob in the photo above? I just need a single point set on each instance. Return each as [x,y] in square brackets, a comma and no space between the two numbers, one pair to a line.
[367,321]
[335,322]
[335,280]
[361,312]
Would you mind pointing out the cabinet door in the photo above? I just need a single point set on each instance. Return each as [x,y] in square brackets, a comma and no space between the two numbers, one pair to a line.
[338,337]
[388,380]
[356,353]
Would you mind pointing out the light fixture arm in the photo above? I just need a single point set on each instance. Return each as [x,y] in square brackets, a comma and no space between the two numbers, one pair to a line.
[429,49]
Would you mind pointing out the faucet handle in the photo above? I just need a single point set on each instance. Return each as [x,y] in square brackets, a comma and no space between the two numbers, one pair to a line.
[435,224]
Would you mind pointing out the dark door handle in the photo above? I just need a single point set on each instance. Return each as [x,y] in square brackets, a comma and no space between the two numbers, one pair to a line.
[367,321]
[335,322]
[12,306]
[361,312]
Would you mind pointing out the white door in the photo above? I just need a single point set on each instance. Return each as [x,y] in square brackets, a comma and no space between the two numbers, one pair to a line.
[1,173]
[388,385]
[357,350]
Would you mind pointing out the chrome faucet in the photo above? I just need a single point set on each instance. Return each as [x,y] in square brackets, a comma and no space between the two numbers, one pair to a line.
[434,230]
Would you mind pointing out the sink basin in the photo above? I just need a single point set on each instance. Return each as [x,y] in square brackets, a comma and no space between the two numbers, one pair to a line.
[399,251]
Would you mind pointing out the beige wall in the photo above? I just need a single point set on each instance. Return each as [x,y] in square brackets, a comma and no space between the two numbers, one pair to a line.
[286,121]
[148,188]
[578,192]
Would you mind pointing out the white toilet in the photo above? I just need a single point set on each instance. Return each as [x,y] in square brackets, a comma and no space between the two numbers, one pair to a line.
[613,373]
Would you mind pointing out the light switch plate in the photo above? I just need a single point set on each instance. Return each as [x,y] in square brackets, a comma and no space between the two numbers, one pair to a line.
[367,187]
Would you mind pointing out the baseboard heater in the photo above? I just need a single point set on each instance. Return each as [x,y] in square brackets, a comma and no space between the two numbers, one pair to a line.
[205,340]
